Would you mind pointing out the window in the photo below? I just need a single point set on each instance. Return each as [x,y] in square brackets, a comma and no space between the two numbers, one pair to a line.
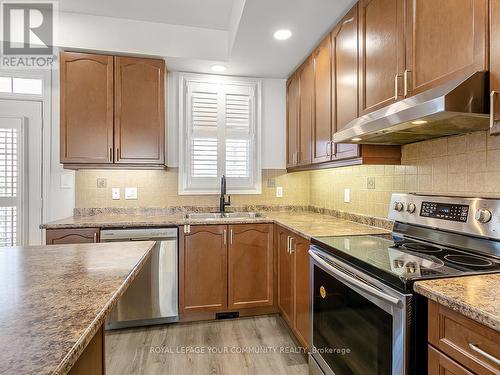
[220,135]
[20,85]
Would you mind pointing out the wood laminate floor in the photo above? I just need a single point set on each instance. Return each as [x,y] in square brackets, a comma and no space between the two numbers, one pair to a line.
[257,345]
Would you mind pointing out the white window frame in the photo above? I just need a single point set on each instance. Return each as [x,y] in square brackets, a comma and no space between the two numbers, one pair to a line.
[256,167]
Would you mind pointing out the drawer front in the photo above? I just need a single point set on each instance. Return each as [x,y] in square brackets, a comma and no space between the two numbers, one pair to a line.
[464,340]
[440,364]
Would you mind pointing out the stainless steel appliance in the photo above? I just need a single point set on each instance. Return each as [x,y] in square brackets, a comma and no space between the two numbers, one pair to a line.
[153,296]
[456,107]
[365,317]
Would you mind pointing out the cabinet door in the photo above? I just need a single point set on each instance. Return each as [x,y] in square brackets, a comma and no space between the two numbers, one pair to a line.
[302,323]
[439,364]
[322,129]
[446,39]
[71,236]
[381,46]
[292,127]
[203,268]
[306,111]
[250,270]
[495,64]
[139,111]
[345,80]
[86,134]
[285,276]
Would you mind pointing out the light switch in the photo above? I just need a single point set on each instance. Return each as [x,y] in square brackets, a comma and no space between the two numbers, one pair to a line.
[115,193]
[279,191]
[130,193]
[347,195]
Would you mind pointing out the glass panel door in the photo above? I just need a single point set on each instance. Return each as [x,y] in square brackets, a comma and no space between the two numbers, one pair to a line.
[352,334]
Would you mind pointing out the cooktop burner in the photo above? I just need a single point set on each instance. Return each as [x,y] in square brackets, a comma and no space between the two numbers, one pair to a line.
[468,260]
[421,247]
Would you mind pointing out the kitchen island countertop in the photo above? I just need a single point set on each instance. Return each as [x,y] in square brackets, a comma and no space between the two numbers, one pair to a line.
[53,299]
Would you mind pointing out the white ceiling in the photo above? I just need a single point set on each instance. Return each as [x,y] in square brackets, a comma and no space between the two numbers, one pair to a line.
[247,48]
[210,14]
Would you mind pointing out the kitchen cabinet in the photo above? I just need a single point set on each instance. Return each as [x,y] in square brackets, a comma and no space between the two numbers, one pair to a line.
[322,127]
[494,66]
[306,112]
[71,236]
[112,111]
[460,345]
[86,134]
[445,40]
[139,110]
[203,268]
[293,283]
[250,265]
[292,133]
[226,268]
[381,50]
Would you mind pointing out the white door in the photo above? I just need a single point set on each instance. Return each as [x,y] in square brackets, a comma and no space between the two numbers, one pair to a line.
[20,172]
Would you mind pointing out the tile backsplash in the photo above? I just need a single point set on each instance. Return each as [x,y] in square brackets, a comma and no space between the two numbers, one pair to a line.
[465,165]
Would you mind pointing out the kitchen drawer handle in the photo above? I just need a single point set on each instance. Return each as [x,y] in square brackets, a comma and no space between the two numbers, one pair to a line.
[493,95]
[480,351]
[406,90]
[224,234]
[353,281]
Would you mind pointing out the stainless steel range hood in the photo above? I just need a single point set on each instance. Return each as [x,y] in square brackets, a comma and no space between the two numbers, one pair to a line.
[457,107]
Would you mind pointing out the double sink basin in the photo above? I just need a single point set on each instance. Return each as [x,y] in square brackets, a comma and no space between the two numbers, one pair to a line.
[222,215]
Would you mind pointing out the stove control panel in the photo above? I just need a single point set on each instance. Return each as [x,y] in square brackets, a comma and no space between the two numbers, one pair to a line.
[445,211]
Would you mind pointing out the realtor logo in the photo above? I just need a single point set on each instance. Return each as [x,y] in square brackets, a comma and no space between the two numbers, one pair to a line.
[27,32]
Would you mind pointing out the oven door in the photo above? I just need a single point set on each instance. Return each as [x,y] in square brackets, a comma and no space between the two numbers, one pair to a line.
[359,325]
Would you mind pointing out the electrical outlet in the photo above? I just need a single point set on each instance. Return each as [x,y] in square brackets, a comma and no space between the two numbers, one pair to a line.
[131,193]
[347,195]
[370,183]
[115,193]
[101,182]
[66,181]
[279,192]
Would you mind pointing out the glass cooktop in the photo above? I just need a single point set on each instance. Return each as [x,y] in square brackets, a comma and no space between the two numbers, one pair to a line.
[405,259]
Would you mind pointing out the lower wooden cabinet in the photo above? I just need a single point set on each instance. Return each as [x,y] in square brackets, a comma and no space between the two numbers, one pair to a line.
[92,360]
[226,267]
[293,283]
[71,236]
[460,345]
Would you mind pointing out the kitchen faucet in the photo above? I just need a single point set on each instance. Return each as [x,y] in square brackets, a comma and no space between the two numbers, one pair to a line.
[222,201]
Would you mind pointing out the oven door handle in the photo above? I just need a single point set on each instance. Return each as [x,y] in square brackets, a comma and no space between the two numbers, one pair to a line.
[358,283]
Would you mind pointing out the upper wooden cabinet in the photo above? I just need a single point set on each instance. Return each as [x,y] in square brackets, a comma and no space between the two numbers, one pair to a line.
[306,111]
[381,47]
[495,66]
[139,110]
[86,108]
[322,127]
[445,40]
[292,133]
[112,111]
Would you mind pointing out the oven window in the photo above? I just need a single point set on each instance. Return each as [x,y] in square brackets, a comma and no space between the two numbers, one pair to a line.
[353,335]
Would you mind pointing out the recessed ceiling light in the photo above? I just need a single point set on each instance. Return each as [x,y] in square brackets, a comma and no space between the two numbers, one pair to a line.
[419,122]
[219,68]
[356,139]
[282,34]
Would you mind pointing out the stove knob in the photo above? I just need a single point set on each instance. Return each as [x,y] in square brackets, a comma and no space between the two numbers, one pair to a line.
[411,208]
[483,215]
[398,206]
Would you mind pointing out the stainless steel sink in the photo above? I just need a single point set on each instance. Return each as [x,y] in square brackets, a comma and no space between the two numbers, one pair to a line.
[218,215]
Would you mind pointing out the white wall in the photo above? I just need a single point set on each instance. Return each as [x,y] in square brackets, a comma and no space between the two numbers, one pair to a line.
[273,122]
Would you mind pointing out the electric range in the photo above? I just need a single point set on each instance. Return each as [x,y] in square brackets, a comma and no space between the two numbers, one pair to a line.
[362,295]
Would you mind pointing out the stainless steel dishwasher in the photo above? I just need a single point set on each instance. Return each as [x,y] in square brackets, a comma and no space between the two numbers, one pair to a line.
[152,298]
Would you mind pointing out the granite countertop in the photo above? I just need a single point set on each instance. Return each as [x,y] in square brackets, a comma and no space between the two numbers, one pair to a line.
[304,223]
[477,297]
[53,299]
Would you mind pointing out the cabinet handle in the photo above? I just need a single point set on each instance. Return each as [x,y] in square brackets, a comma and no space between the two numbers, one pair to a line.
[480,351]
[292,249]
[328,148]
[288,244]
[396,87]
[111,154]
[493,96]
[224,234]
[117,157]
[406,82]
[230,236]
[95,237]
